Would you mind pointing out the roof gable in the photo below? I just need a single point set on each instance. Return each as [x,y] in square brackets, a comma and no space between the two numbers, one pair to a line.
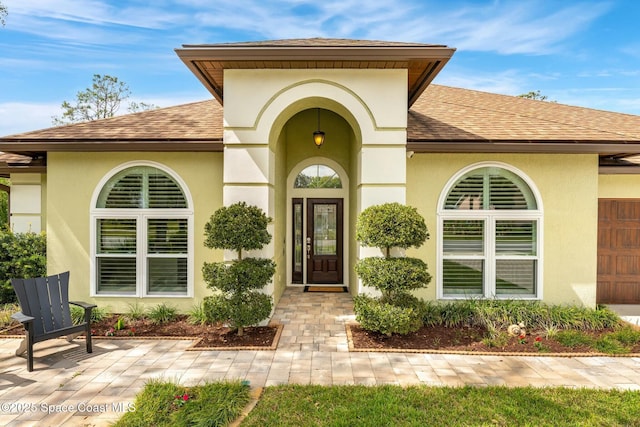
[422,61]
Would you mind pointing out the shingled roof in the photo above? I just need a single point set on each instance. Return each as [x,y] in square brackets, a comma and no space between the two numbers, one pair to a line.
[444,119]
[449,119]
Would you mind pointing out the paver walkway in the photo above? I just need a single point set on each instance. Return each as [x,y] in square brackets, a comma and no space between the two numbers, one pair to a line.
[70,387]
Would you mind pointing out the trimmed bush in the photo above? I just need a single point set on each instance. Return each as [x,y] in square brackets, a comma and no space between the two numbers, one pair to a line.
[239,310]
[388,319]
[393,275]
[240,275]
[397,311]
[391,225]
[238,227]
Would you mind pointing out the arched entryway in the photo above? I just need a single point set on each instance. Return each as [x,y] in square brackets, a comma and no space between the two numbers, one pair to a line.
[318,227]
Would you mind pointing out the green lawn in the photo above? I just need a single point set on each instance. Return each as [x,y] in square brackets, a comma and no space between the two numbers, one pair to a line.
[443,406]
[216,404]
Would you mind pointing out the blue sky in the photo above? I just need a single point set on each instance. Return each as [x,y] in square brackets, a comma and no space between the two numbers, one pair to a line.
[583,53]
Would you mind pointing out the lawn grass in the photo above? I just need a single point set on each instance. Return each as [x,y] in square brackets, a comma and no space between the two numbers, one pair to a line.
[310,405]
[163,403]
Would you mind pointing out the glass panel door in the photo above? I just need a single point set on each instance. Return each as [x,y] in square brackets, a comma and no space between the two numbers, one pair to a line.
[324,241]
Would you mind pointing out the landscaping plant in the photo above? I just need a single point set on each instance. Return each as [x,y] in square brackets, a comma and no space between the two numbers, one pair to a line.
[239,302]
[162,313]
[22,255]
[388,226]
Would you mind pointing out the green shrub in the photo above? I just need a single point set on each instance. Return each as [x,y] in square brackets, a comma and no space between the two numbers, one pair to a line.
[240,275]
[238,227]
[238,310]
[162,313]
[391,225]
[391,275]
[387,226]
[22,255]
[387,319]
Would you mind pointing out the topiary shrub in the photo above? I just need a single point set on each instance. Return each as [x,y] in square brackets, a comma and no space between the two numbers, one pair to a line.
[388,319]
[387,226]
[391,225]
[238,227]
[393,275]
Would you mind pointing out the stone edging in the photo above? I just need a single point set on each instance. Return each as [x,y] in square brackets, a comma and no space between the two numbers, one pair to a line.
[472,353]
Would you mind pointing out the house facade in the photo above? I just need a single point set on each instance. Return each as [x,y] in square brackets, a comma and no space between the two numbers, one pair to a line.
[523,199]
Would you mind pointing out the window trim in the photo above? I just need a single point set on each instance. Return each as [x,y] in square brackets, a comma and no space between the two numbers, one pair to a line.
[141,216]
[489,217]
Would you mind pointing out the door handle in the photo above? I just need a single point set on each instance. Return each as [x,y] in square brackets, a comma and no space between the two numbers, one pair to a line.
[308,247]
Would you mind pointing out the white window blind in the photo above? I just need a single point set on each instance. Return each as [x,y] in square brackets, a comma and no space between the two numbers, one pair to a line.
[167,253]
[143,235]
[116,255]
[141,187]
[489,236]
[490,188]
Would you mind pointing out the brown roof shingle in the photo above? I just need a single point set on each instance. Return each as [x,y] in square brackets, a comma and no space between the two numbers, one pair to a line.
[195,121]
[452,116]
[318,42]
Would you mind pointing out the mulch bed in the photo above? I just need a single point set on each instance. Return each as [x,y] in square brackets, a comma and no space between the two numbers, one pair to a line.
[206,336]
[434,338]
[465,340]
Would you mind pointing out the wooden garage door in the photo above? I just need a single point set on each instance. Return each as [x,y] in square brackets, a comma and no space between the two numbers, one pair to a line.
[618,251]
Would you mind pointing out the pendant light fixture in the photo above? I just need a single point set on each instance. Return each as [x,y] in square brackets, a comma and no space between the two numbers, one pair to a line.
[318,135]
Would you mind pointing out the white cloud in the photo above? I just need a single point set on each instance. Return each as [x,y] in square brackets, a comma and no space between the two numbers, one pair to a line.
[507,82]
[18,117]
[506,27]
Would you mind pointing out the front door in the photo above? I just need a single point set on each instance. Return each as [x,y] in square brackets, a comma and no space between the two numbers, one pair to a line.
[324,241]
[318,241]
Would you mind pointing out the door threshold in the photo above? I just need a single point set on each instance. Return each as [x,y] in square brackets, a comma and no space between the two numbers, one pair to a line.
[325,288]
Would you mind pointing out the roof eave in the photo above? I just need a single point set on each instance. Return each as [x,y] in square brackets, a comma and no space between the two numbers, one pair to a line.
[191,54]
[523,146]
[24,146]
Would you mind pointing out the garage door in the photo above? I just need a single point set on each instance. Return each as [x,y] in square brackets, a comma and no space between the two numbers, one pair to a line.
[618,251]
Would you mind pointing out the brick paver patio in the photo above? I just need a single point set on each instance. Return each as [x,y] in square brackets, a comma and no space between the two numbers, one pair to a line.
[70,387]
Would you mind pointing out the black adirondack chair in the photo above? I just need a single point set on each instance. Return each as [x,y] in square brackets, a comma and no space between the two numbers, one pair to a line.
[46,314]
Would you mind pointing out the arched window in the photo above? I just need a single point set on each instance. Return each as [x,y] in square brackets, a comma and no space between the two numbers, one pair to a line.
[317,176]
[143,233]
[489,232]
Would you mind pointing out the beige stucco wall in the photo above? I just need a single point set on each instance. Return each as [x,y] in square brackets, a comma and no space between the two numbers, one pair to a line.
[28,202]
[625,186]
[268,109]
[568,185]
[72,179]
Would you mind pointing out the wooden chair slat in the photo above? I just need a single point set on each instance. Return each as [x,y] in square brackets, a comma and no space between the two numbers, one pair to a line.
[45,311]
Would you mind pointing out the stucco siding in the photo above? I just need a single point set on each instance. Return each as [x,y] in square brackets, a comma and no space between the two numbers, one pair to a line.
[568,187]
[72,179]
[619,186]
